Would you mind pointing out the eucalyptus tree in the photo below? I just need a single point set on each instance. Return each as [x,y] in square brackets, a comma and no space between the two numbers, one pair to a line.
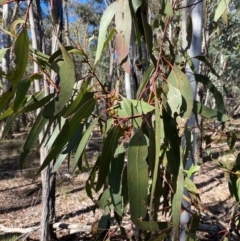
[151,125]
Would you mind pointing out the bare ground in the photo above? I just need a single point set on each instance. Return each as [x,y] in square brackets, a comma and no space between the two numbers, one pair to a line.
[20,199]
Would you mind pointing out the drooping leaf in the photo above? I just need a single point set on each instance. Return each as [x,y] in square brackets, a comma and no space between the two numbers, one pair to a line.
[177,200]
[145,80]
[217,95]
[137,174]
[6,113]
[21,60]
[8,125]
[204,60]
[123,29]
[109,148]
[37,101]
[70,126]
[22,90]
[109,38]
[190,186]
[199,108]
[74,105]
[33,135]
[67,80]
[74,141]
[104,23]
[223,4]
[158,139]
[59,160]
[115,179]
[83,143]
[147,31]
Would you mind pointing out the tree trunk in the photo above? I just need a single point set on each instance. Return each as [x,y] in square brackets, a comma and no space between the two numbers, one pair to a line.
[194,50]
[48,179]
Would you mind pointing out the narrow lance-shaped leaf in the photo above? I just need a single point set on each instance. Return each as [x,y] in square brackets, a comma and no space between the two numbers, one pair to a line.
[115,179]
[69,147]
[21,60]
[199,108]
[22,90]
[177,200]
[104,23]
[33,135]
[145,80]
[86,107]
[83,143]
[220,9]
[137,174]
[109,147]
[67,80]
[158,134]
[8,125]
[217,95]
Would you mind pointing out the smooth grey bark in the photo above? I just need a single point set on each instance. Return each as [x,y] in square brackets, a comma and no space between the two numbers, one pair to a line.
[6,43]
[66,23]
[48,180]
[49,183]
[196,14]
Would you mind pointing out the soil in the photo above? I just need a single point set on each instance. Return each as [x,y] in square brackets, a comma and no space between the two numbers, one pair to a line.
[20,199]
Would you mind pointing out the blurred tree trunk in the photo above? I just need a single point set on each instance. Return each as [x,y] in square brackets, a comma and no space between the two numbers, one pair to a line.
[6,43]
[194,49]
[48,179]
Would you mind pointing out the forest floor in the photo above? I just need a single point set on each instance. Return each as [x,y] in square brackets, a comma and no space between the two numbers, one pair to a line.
[20,196]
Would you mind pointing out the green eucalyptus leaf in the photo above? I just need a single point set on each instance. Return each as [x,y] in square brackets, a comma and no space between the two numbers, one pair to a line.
[145,80]
[115,179]
[109,148]
[199,108]
[33,136]
[217,95]
[204,60]
[174,99]
[21,60]
[104,23]
[223,4]
[8,125]
[83,143]
[69,128]
[180,81]
[22,89]
[67,80]
[6,113]
[137,174]
[190,186]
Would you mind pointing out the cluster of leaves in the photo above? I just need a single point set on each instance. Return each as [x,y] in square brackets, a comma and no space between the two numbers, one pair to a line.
[151,126]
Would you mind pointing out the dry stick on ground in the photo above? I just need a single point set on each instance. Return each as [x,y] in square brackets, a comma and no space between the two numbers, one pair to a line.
[80,228]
